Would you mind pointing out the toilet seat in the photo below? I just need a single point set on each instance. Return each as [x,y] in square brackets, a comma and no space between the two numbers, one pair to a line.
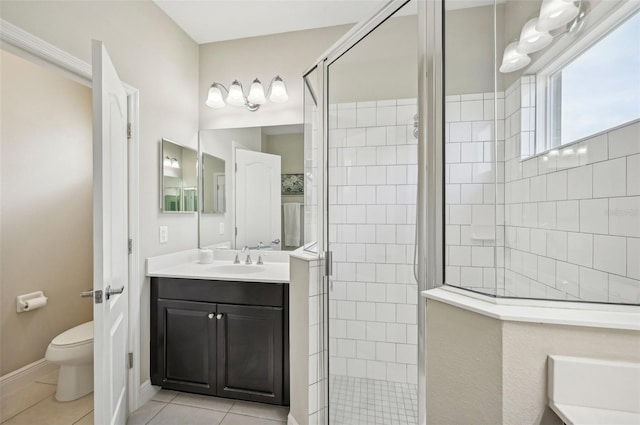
[81,334]
[72,346]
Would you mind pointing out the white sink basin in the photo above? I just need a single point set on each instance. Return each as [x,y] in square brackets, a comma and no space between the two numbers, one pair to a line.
[237,269]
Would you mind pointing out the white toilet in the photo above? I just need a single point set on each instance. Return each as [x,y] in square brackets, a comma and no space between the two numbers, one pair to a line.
[73,351]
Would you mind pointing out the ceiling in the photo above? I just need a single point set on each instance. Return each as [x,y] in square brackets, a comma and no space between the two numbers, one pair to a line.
[207,21]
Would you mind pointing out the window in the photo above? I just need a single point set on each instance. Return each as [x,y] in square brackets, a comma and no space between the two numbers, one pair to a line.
[596,90]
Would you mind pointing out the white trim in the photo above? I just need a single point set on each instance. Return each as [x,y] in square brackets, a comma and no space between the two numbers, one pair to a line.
[291,420]
[30,47]
[25,375]
[147,392]
[603,20]
[607,316]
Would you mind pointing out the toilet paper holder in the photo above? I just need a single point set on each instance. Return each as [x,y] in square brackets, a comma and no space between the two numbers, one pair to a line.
[30,301]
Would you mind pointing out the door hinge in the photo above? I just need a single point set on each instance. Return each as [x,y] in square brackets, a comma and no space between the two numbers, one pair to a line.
[129,130]
[328,263]
[236,167]
[97,295]
[130,360]
[130,246]
[236,231]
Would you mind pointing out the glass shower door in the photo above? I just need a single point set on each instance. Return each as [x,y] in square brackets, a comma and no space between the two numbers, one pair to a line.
[371,212]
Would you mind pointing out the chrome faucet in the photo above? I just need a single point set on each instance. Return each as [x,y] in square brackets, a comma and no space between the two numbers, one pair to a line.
[236,260]
[246,249]
[260,245]
[260,262]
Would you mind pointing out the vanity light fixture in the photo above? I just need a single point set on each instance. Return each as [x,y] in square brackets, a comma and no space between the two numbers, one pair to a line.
[532,40]
[556,13]
[512,60]
[170,162]
[276,93]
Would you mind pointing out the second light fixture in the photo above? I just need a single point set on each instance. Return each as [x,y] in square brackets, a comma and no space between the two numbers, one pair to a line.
[276,93]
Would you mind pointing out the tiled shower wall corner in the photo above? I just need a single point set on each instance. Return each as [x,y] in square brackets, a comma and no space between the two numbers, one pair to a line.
[571,216]
[474,190]
[372,211]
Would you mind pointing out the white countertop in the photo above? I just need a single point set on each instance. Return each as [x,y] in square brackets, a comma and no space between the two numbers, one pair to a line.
[185,265]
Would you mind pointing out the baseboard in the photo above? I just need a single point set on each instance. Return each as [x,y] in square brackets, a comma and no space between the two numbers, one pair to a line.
[291,420]
[147,392]
[25,375]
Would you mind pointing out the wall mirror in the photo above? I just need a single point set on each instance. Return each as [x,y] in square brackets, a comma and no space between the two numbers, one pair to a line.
[213,184]
[261,170]
[179,181]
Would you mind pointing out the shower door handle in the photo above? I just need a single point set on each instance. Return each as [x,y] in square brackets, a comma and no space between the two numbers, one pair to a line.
[87,294]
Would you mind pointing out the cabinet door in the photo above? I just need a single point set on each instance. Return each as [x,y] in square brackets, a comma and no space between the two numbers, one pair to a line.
[186,346]
[250,353]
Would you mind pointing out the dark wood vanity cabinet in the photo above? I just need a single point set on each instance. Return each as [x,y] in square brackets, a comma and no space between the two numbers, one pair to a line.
[228,339]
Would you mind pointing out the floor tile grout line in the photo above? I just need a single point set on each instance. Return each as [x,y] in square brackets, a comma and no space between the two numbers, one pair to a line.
[157,413]
[27,408]
[84,416]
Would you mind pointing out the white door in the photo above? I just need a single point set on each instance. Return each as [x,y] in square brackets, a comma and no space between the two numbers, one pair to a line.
[110,241]
[257,199]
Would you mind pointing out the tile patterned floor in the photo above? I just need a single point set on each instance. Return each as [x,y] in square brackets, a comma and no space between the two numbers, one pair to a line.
[174,408]
[35,404]
[362,401]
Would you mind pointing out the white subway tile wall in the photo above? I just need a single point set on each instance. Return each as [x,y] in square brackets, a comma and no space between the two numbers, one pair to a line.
[571,216]
[372,196]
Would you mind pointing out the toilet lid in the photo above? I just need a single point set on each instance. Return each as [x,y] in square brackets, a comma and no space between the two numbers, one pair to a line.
[81,333]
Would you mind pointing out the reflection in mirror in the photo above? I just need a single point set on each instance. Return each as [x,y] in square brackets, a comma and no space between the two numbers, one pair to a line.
[268,183]
[213,184]
[179,171]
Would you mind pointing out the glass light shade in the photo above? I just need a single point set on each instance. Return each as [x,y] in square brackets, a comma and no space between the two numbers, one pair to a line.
[236,97]
[256,93]
[512,60]
[278,91]
[175,163]
[555,13]
[166,162]
[532,40]
[214,98]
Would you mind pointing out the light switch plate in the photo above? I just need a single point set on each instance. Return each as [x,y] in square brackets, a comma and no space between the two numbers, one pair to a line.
[221,228]
[164,234]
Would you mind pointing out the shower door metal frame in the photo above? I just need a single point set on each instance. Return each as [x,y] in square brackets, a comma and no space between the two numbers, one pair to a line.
[430,210]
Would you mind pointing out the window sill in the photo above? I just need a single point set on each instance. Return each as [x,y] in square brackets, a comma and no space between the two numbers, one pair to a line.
[537,311]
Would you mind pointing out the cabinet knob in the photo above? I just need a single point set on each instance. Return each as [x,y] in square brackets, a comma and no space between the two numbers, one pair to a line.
[220,316]
[210,315]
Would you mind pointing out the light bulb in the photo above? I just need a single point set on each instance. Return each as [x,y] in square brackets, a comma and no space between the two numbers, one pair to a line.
[256,93]
[278,91]
[512,60]
[532,40]
[235,97]
[555,13]
[214,98]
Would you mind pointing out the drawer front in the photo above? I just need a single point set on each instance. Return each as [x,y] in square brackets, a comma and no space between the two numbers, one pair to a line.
[218,291]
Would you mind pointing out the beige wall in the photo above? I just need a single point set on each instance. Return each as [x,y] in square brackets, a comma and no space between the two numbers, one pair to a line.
[382,66]
[468,49]
[290,147]
[46,206]
[286,54]
[483,370]
[152,54]
[464,380]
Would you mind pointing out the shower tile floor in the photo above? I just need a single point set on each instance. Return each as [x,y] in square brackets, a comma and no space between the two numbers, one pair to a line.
[363,401]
